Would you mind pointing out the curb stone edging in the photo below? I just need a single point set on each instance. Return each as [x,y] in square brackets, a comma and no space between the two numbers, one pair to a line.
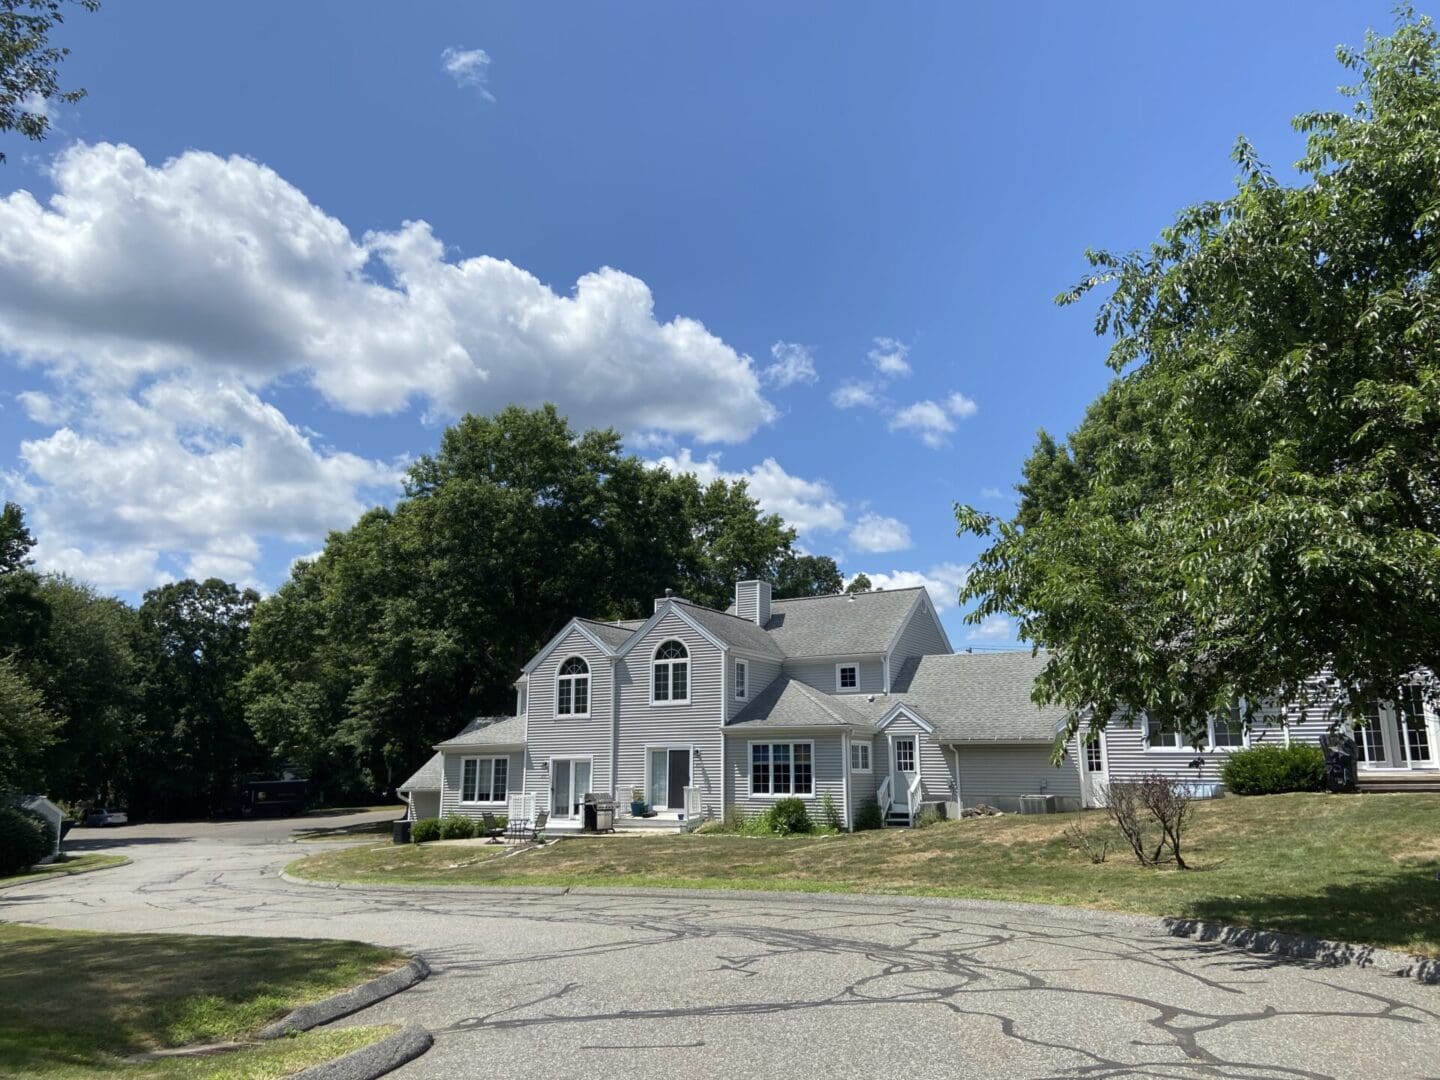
[1248,939]
[349,1001]
[1319,950]
[374,1060]
[35,879]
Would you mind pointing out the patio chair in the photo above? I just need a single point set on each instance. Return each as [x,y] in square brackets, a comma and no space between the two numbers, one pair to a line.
[536,831]
[490,827]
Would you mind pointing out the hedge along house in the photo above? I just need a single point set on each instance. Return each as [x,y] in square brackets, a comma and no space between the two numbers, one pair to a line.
[698,711]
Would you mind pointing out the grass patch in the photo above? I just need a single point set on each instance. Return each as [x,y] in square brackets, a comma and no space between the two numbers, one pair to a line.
[266,1061]
[368,830]
[1352,868]
[338,811]
[72,1002]
[67,864]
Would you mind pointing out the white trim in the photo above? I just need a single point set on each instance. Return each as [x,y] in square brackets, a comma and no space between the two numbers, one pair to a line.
[841,689]
[554,643]
[908,711]
[741,684]
[869,747]
[670,675]
[460,799]
[844,776]
[791,794]
[572,715]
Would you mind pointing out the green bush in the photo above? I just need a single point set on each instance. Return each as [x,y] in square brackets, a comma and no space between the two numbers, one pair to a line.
[927,817]
[789,816]
[24,840]
[455,827]
[867,815]
[830,815]
[425,830]
[1271,770]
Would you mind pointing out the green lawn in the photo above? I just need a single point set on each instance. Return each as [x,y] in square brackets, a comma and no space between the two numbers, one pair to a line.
[1354,868]
[73,1003]
[69,864]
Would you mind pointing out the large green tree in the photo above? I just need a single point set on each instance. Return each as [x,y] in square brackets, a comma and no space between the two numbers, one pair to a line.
[420,617]
[1256,497]
[29,64]
[27,730]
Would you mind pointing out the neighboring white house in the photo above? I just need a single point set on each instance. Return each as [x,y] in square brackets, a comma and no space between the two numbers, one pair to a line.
[834,700]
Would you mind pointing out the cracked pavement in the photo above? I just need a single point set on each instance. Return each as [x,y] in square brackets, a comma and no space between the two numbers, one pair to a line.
[580,984]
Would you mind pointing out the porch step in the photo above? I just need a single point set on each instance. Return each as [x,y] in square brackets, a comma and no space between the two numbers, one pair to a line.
[897,821]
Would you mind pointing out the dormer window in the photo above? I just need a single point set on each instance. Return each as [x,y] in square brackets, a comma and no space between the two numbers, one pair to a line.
[572,688]
[847,677]
[671,677]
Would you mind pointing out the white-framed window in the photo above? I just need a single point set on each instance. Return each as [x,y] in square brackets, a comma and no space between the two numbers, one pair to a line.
[484,779]
[1228,729]
[1163,734]
[847,677]
[572,688]
[1369,740]
[859,757]
[670,677]
[742,680]
[782,769]
[1415,733]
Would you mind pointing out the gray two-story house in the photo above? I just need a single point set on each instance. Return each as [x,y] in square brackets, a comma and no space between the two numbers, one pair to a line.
[833,699]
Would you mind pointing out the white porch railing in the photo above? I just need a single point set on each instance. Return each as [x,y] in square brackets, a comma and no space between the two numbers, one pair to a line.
[912,795]
[693,808]
[521,806]
[884,798]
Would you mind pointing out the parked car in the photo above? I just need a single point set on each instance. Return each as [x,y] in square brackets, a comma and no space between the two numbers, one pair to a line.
[99,817]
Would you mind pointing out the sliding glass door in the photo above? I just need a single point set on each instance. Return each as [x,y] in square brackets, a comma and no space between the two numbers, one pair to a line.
[569,784]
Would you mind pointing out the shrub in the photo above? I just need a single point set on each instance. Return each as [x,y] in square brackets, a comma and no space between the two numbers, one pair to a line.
[1155,800]
[24,840]
[867,815]
[1270,770]
[830,813]
[789,816]
[927,817]
[455,827]
[425,830]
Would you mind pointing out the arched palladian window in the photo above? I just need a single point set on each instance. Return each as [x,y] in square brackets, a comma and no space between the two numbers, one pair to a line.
[671,679]
[572,688]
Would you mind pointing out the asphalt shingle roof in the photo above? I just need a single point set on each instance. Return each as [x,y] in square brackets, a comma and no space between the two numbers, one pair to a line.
[972,697]
[427,777]
[839,625]
[735,631]
[488,731]
[790,703]
[613,634]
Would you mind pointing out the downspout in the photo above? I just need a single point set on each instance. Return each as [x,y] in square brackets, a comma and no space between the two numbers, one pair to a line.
[955,749]
[615,728]
[845,776]
[726,697]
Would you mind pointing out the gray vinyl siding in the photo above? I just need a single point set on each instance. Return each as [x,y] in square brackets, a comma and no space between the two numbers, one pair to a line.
[920,637]
[1128,757]
[821,673]
[863,785]
[549,736]
[827,763]
[936,781]
[697,724]
[761,674]
[450,792]
[423,804]
[999,775]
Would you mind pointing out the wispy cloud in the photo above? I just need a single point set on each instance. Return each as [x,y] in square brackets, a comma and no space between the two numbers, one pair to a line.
[995,628]
[470,68]
[932,421]
[853,395]
[889,356]
[793,364]
[875,533]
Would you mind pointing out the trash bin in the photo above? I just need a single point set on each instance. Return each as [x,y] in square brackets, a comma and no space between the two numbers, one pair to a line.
[400,831]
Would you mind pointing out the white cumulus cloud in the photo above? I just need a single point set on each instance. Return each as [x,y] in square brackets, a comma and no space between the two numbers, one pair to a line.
[219,266]
[889,357]
[793,364]
[852,395]
[995,628]
[932,421]
[874,533]
[808,505]
[470,68]
[942,581]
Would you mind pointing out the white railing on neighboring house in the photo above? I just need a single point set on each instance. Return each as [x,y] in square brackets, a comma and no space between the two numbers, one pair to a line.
[912,795]
[884,798]
[693,809]
[521,806]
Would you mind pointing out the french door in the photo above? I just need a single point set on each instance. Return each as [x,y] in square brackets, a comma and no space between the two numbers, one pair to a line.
[1396,736]
[569,783]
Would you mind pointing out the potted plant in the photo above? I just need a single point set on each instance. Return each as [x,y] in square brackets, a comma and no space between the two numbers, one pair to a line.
[637,802]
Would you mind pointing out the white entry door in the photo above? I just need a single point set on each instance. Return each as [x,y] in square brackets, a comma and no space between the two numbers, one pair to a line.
[569,783]
[1095,769]
[903,763]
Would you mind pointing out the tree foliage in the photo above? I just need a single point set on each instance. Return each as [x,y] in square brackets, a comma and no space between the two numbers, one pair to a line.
[1256,496]
[420,617]
[27,731]
[29,64]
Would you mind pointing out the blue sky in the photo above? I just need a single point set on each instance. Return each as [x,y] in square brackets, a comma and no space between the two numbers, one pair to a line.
[278,246]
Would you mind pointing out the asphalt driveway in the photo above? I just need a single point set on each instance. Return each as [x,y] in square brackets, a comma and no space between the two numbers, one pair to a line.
[586,985]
